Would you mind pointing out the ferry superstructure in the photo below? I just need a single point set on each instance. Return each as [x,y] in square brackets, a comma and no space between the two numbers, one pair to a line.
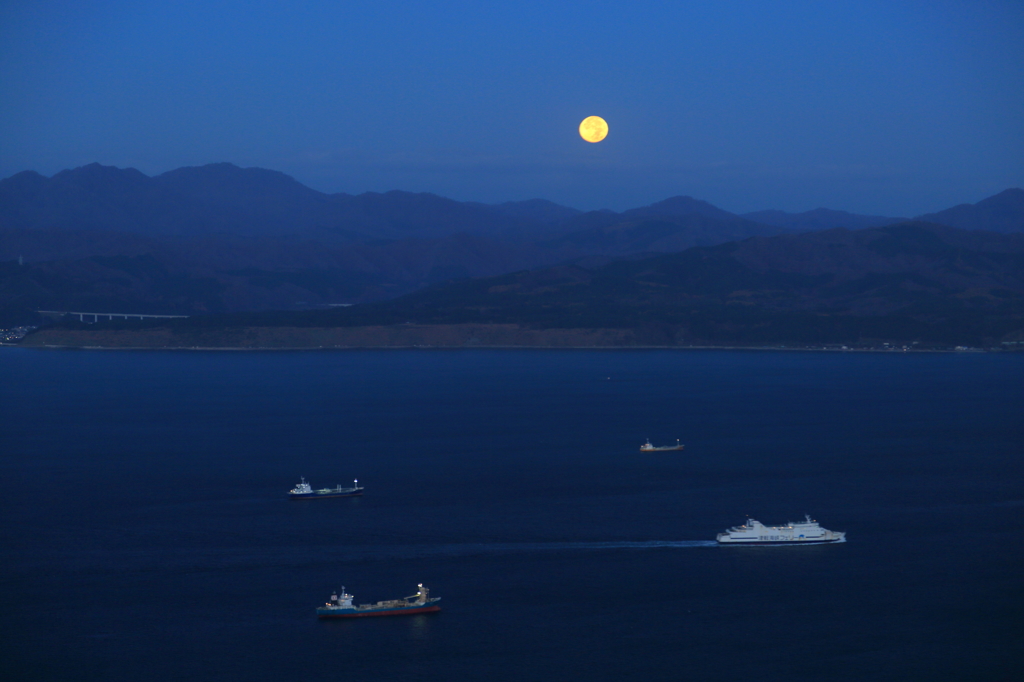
[806,532]
[340,605]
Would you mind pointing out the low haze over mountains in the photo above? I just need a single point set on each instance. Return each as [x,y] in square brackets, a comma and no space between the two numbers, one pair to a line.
[819,219]
[219,238]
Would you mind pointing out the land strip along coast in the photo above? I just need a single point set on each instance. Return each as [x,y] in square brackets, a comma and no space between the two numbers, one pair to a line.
[380,336]
[409,336]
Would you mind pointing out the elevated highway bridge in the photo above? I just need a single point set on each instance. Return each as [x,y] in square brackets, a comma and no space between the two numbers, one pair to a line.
[96,317]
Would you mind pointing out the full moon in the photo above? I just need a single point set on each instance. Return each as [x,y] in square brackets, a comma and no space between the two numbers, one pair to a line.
[593,129]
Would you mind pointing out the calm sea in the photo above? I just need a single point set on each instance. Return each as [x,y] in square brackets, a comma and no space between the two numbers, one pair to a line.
[145,533]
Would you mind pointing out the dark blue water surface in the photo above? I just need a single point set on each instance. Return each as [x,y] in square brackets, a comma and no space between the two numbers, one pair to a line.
[146,534]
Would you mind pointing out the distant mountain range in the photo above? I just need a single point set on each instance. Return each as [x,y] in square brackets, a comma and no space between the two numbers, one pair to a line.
[219,238]
[222,200]
[1003,212]
[819,219]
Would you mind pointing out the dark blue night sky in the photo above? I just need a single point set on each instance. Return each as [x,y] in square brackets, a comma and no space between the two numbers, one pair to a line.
[873,107]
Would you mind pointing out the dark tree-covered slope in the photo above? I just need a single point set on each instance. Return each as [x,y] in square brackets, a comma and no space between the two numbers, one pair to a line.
[912,283]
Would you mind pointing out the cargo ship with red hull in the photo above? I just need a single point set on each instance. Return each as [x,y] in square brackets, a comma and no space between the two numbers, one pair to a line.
[340,606]
[304,491]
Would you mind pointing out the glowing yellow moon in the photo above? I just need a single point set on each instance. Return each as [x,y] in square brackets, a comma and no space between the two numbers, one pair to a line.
[593,129]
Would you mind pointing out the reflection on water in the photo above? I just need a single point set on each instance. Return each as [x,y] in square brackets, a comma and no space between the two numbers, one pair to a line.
[419,627]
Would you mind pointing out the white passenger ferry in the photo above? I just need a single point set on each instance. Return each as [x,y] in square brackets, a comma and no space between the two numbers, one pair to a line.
[754,532]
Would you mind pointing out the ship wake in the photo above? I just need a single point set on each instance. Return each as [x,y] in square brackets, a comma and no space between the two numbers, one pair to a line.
[484,548]
[224,558]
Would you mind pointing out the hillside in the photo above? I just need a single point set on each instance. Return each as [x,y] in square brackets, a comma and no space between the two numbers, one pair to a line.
[908,282]
[912,283]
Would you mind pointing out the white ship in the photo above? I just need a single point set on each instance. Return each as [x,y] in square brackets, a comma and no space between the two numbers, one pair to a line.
[793,533]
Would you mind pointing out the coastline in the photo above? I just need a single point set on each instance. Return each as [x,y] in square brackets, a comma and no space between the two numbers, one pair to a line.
[425,337]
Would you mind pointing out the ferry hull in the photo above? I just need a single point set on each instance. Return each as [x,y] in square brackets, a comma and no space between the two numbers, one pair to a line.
[326,613]
[750,543]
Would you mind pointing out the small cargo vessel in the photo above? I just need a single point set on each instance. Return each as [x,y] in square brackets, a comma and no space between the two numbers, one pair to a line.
[806,532]
[647,447]
[304,491]
[341,606]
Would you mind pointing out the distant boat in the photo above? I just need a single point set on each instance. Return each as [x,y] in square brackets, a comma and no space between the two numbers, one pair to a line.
[754,532]
[647,447]
[341,606]
[304,491]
